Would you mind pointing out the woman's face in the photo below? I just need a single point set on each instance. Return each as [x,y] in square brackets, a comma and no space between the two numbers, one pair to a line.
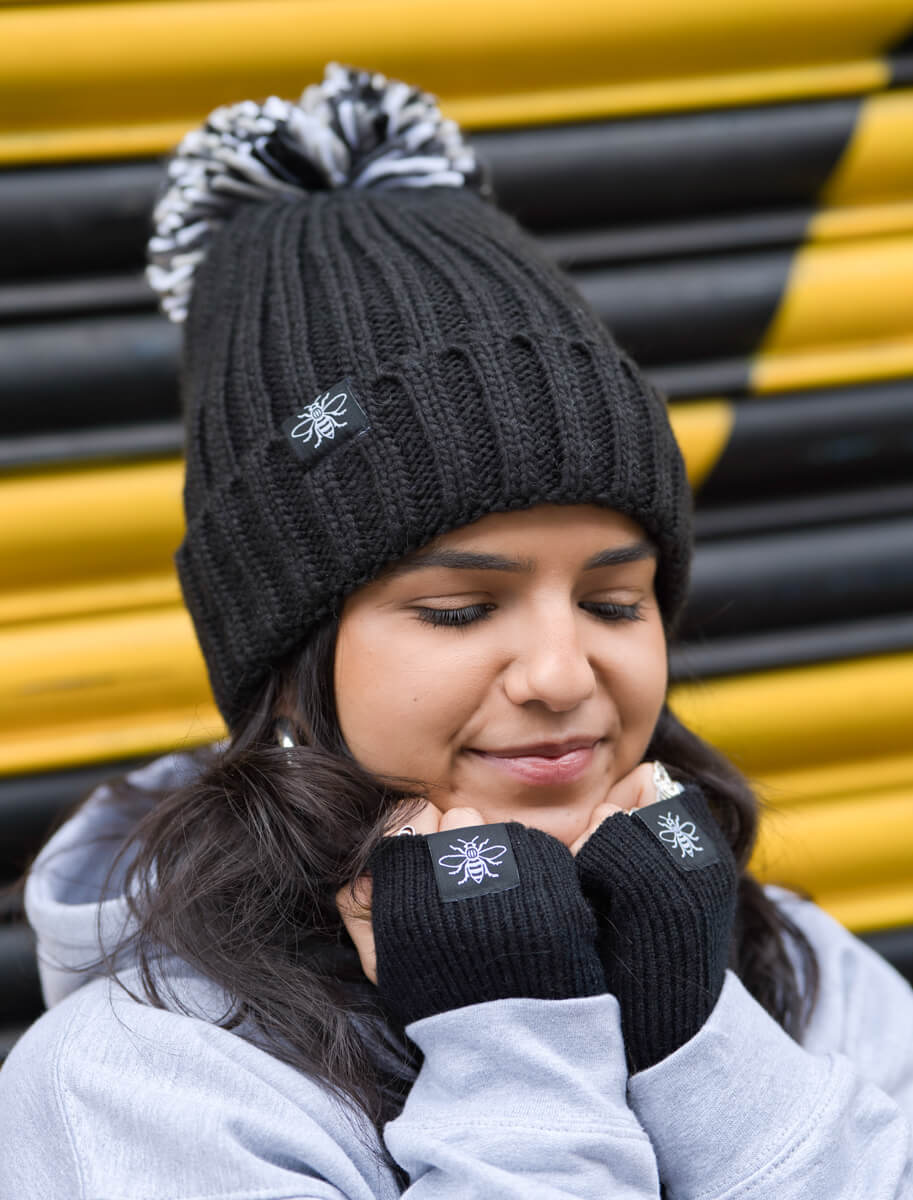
[516,666]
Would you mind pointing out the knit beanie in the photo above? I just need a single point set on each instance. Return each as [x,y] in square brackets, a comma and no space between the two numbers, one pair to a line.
[375,355]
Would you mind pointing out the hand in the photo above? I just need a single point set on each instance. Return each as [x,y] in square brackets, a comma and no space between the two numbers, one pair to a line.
[664,891]
[354,902]
[634,790]
[431,945]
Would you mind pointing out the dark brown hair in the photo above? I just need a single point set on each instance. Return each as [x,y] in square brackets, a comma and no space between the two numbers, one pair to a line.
[236,873]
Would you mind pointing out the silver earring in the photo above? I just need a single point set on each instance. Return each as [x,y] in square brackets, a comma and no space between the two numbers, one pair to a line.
[285,733]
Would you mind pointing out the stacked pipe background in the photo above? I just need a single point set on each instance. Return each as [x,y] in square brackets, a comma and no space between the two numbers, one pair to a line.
[731,187]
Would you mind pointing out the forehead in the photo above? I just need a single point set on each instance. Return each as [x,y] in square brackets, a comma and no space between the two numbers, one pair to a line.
[579,536]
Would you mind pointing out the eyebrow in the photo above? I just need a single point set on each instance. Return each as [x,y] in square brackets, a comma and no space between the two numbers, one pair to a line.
[467,560]
[633,552]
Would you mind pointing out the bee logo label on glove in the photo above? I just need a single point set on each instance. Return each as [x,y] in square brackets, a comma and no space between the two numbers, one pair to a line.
[673,827]
[334,417]
[473,861]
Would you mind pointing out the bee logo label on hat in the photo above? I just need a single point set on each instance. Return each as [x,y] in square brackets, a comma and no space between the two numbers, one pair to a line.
[334,417]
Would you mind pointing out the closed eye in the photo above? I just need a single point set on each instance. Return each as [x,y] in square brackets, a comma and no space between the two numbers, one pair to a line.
[455,616]
[613,612]
[471,613]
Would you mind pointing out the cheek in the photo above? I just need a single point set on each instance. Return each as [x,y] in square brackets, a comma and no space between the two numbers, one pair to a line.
[640,680]
[401,700]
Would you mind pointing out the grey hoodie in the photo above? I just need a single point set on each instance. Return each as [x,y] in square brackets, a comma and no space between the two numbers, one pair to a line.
[105,1098]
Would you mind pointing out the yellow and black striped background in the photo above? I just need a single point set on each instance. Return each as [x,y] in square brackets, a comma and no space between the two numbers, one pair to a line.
[732,188]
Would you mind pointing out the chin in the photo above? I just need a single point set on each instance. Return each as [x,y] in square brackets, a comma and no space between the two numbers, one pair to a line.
[564,821]
[565,827]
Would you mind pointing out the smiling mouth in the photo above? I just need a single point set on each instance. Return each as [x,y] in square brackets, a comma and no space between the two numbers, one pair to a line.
[543,764]
[545,749]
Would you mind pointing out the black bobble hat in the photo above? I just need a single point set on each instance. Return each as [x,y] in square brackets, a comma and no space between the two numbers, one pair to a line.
[374,355]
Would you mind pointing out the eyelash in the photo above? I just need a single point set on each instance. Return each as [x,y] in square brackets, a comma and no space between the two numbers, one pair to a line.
[453,617]
[456,617]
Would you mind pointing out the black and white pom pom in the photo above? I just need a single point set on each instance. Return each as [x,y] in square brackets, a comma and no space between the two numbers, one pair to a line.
[355,129]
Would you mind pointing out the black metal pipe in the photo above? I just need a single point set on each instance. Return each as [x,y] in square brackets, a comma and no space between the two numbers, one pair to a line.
[749,517]
[122,443]
[826,438]
[44,300]
[691,310]
[790,648]
[74,219]
[32,805]
[896,945]
[20,989]
[75,374]
[650,168]
[800,578]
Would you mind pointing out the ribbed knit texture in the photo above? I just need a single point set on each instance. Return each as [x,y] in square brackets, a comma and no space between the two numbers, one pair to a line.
[664,933]
[536,940]
[487,381]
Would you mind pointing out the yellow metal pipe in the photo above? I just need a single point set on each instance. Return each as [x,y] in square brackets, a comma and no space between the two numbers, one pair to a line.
[787,719]
[77,691]
[815,781]
[870,192]
[833,365]
[702,430]
[64,601]
[77,524]
[846,313]
[855,293]
[877,165]
[876,906]
[855,222]
[839,844]
[66,70]
[846,853]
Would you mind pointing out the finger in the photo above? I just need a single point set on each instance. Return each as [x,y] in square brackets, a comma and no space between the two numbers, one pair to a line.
[635,790]
[354,904]
[600,813]
[458,818]
[354,900]
[426,820]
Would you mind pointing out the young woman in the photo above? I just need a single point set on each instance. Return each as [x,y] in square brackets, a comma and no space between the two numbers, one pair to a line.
[460,908]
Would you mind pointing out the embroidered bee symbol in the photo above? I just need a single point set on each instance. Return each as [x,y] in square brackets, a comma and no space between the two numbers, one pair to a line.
[681,834]
[320,418]
[473,860]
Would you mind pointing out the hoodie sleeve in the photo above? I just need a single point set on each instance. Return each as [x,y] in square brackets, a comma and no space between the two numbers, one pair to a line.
[496,977]
[523,1098]
[742,1110]
[106,1097]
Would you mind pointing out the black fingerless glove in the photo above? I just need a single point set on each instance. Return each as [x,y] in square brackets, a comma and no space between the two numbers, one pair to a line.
[481,913]
[663,884]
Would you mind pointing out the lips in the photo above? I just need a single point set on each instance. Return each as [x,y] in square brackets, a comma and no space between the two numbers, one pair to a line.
[543,749]
[543,763]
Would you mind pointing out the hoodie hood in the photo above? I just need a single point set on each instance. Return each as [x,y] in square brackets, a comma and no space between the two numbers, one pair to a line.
[74,917]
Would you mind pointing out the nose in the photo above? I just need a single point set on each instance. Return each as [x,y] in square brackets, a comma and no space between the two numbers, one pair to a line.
[550,663]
